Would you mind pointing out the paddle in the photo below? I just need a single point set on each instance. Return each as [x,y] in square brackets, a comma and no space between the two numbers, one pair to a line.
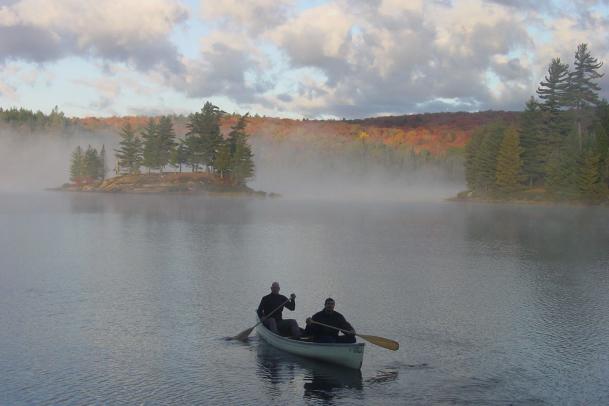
[380,341]
[242,336]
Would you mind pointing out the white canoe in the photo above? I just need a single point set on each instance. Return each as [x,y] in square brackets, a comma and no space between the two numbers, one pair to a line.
[348,355]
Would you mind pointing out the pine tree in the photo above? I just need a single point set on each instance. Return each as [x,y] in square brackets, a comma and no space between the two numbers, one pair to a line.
[242,163]
[588,178]
[102,166]
[150,139]
[129,154]
[509,164]
[76,165]
[534,150]
[583,89]
[472,149]
[486,161]
[222,164]
[166,141]
[179,155]
[554,92]
[203,137]
[91,163]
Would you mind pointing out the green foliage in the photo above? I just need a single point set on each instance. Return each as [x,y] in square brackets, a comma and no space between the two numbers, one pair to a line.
[589,182]
[166,141]
[150,141]
[76,165]
[35,120]
[179,155]
[534,149]
[203,137]
[129,153]
[472,170]
[88,166]
[242,163]
[509,164]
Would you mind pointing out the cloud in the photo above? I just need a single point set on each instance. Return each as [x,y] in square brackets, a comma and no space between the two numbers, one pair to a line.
[253,16]
[128,31]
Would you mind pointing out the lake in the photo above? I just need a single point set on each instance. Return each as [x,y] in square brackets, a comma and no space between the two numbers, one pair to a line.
[127,299]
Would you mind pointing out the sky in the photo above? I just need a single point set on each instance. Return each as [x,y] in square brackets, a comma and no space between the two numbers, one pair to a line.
[288,58]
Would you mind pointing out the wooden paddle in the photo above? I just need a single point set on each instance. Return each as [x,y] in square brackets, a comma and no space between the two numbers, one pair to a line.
[242,336]
[380,341]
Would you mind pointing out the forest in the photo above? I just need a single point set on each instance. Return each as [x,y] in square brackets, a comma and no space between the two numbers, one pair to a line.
[559,148]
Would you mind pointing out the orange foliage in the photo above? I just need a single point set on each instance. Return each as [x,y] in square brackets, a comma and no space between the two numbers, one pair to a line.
[435,132]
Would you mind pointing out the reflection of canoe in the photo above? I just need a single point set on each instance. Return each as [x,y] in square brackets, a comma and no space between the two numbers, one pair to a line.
[348,355]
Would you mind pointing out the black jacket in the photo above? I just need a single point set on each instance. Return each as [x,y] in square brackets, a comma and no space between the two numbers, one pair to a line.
[332,319]
[272,301]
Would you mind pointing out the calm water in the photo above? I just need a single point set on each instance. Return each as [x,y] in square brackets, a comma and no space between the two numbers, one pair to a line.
[126,300]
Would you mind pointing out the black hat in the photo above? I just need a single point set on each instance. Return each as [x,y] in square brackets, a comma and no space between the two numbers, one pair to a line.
[329,300]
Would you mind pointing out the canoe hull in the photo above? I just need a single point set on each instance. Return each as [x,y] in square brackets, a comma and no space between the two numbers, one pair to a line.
[348,355]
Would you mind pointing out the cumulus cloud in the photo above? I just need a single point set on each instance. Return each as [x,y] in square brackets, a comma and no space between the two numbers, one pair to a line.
[126,30]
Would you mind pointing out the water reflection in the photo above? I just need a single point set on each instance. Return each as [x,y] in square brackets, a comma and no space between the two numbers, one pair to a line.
[320,381]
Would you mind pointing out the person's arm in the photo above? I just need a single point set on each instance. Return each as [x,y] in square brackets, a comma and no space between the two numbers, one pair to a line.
[292,303]
[260,310]
[311,329]
[344,324]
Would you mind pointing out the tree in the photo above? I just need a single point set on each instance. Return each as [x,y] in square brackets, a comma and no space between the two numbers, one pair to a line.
[222,163]
[588,178]
[102,163]
[583,89]
[179,155]
[150,139]
[166,141]
[203,137]
[91,163]
[472,170]
[129,154]
[534,150]
[509,164]
[76,165]
[242,163]
[554,92]
[486,159]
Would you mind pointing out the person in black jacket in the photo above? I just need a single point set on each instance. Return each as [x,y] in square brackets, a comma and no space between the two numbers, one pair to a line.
[275,322]
[333,318]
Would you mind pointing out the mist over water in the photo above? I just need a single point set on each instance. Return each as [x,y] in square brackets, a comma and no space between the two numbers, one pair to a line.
[127,298]
[35,161]
[119,298]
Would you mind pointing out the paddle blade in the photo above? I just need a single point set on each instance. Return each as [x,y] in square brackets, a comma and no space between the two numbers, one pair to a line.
[242,336]
[381,342]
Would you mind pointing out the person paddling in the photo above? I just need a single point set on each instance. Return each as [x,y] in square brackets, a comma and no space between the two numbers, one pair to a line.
[330,317]
[275,322]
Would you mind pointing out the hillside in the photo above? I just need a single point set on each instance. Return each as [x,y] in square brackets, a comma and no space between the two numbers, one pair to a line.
[434,133]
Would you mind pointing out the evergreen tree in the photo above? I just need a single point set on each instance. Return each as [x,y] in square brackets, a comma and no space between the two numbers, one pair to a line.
[180,155]
[76,165]
[91,163]
[562,168]
[237,133]
[150,139]
[583,89]
[129,154]
[554,92]
[203,137]
[509,164]
[102,166]
[486,161]
[222,164]
[242,163]
[588,178]
[534,150]
[472,170]
[166,141]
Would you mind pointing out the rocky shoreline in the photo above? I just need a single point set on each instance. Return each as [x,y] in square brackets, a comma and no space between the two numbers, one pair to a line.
[171,182]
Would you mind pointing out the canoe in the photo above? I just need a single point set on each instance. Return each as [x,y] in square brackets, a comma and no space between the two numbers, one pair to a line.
[348,355]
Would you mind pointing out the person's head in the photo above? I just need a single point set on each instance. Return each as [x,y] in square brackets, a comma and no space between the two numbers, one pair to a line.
[329,305]
[275,287]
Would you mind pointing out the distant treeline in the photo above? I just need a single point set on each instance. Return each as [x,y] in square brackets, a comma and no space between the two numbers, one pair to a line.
[202,148]
[20,117]
[560,147]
